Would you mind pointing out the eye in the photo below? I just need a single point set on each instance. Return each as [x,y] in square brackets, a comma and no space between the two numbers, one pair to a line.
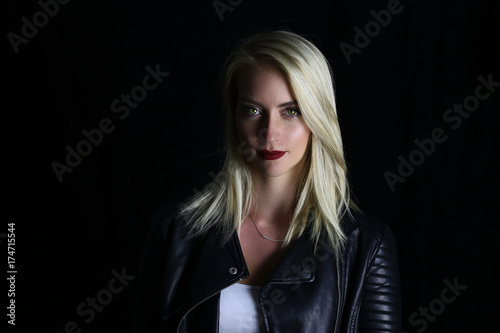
[252,111]
[292,112]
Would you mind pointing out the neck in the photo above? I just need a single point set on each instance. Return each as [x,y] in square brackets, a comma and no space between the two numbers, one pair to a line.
[274,198]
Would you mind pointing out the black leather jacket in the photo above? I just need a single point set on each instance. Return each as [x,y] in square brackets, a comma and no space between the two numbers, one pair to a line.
[180,280]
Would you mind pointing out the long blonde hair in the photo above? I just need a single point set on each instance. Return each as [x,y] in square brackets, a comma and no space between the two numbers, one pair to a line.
[322,188]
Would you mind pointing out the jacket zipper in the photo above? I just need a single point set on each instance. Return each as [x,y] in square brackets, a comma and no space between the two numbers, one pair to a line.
[203,300]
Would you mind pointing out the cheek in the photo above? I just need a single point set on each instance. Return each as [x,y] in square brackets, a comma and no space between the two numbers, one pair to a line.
[246,131]
[240,128]
[242,131]
[300,136]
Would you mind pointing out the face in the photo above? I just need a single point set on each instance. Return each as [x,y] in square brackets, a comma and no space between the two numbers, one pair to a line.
[273,135]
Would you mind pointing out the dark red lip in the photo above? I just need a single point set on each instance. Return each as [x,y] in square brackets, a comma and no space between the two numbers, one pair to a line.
[271,155]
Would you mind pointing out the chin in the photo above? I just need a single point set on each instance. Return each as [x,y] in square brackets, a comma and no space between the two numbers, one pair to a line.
[272,171]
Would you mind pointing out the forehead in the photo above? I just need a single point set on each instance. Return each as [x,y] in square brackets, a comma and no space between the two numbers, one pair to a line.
[262,80]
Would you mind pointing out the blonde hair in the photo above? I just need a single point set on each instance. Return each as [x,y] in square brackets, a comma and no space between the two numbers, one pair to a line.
[322,188]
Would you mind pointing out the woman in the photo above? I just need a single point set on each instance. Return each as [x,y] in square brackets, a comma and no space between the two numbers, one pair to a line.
[274,244]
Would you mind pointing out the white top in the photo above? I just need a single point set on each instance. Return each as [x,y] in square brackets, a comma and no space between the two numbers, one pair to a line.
[239,309]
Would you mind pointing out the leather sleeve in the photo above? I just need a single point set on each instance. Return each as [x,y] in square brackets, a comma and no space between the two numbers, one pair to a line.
[381,302]
[147,302]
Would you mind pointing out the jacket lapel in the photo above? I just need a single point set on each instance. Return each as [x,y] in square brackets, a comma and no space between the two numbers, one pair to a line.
[214,267]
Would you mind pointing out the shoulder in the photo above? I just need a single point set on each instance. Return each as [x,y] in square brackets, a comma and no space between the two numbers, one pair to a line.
[370,243]
[363,225]
[167,220]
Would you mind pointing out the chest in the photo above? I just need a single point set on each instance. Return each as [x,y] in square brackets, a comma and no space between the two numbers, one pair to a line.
[261,255]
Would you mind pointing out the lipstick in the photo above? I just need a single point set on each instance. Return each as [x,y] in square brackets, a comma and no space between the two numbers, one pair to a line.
[271,155]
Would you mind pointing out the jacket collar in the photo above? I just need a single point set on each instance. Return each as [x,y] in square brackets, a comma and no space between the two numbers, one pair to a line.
[226,264]
[220,265]
[298,265]
[214,266]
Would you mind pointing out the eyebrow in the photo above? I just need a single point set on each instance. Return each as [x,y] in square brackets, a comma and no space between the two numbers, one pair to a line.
[247,99]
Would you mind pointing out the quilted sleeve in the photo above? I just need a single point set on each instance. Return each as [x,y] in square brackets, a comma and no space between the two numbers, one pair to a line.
[381,304]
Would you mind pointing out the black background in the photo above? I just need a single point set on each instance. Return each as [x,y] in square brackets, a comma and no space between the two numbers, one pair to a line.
[71,235]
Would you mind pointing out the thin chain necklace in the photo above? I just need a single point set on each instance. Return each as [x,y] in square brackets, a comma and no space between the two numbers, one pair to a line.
[271,239]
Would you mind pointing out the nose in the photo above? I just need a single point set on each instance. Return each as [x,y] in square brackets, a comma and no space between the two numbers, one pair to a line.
[270,129]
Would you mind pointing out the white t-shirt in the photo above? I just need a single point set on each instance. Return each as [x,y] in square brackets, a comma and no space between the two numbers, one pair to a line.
[240,309]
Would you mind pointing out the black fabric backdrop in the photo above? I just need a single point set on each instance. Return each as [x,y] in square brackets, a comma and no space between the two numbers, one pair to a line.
[402,78]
